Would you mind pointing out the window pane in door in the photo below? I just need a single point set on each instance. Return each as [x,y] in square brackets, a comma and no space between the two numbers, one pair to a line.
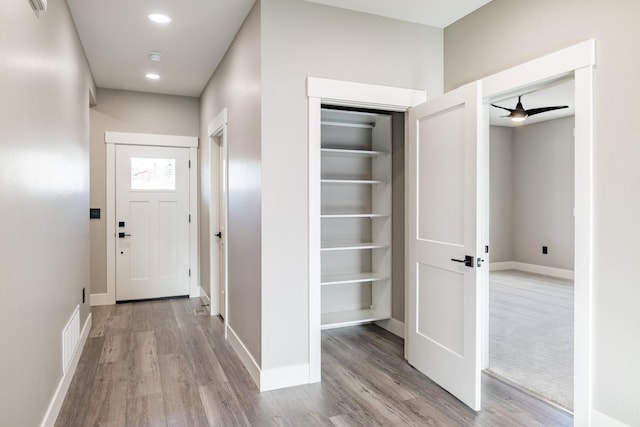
[153,174]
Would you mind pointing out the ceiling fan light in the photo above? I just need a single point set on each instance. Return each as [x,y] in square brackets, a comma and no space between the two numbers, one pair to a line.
[518,117]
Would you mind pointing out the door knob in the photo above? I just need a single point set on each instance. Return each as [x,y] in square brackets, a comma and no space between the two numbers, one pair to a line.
[468,260]
[218,234]
[122,235]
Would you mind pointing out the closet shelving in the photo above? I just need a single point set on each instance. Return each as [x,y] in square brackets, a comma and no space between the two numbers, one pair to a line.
[355,217]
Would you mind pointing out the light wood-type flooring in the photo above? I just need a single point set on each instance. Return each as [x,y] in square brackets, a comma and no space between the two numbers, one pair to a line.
[166,363]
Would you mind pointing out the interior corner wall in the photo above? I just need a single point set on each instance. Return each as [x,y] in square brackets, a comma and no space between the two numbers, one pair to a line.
[543,193]
[44,187]
[236,85]
[301,39]
[397,215]
[501,194]
[479,45]
[127,111]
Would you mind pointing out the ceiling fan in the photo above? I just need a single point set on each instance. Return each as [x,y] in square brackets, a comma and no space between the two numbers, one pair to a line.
[518,114]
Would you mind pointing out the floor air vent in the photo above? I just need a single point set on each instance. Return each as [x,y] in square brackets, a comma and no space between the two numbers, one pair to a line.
[70,338]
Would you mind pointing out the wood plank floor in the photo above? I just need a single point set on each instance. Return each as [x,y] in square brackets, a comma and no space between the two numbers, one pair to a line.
[166,363]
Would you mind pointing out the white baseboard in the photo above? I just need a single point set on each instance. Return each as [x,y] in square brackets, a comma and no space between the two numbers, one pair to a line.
[245,357]
[499,266]
[268,379]
[51,415]
[288,376]
[533,268]
[598,419]
[394,326]
[99,299]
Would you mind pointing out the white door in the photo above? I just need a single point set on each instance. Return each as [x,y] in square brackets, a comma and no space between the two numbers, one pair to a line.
[222,233]
[152,222]
[443,299]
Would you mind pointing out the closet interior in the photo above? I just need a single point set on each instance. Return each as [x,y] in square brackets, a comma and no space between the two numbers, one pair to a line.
[356,174]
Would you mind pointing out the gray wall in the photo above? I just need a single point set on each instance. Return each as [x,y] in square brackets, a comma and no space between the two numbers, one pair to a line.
[236,85]
[532,193]
[44,186]
[301,39]
[397,212]
[543,196]
[501,194]
[126,111]
[479,45]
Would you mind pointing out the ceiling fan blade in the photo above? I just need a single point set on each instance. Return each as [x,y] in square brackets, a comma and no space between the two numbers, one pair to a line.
[533,111]
[504,108]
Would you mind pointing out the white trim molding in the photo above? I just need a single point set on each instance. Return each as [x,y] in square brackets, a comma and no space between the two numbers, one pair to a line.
[111,139]
[353,94]
[245,357]
[598,419]
[287,376]
[218,153]
[99,299]
[53,410]
[577,61]
[129,138]
[560,273]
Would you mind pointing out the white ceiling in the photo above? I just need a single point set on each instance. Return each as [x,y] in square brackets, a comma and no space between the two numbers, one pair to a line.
[437,13]
[117,36]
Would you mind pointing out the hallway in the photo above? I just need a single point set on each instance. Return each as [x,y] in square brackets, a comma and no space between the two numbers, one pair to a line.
[165,363]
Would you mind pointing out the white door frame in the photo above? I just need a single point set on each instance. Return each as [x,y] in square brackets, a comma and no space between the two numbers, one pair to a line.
[337,92]
[578,60]
[217,128]
[111,139]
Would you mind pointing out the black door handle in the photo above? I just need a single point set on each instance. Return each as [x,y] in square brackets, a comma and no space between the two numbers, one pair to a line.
[122,235]
[218,234]
[468,260]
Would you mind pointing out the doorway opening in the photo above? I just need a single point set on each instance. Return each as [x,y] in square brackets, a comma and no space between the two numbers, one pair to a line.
[218,218]
[531,287]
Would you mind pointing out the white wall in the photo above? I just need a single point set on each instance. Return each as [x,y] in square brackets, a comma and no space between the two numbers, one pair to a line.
[532,193]
[301,39]
[126,111]
[236,85]
[44,187]
[482,44]
[543,193]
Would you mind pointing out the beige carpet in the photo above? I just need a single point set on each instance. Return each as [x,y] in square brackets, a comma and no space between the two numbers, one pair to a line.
[531,333]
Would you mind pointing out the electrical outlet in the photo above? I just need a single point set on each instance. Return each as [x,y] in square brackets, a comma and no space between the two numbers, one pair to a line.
[545,250]
[83,295]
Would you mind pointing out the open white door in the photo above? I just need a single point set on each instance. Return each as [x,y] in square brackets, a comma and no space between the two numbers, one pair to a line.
[443,298]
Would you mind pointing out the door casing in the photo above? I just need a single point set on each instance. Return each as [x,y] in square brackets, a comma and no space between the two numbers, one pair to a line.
[218,147]
[112,139]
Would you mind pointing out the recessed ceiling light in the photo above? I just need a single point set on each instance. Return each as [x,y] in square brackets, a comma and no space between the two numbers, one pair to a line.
[152,76]
[159,18]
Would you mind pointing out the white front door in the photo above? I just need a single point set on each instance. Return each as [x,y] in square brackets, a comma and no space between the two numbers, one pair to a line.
[443,299]
[152,222]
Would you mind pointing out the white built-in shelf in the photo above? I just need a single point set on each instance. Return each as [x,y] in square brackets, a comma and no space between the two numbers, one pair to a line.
[340,279]
[353,181]
[352,246]
[353,215]
[347,124]
[355,317]
[342,152]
